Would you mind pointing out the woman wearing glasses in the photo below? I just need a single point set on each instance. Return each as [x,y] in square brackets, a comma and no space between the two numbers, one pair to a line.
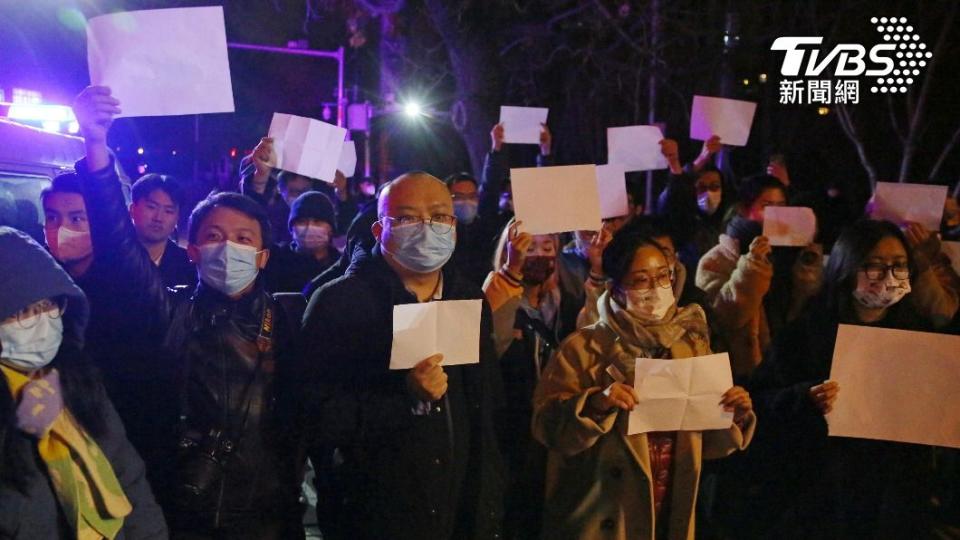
[602,483]
[812,486]
[66,467]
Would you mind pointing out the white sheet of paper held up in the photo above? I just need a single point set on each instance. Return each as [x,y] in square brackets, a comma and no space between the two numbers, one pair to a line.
[162,62]
[952,250]
[730,119]
[307,146]
[522,125]
[637,148]
[348,159]
[612,185]
[920,203]
[789,225]
[447,327]
[556,199]
[681,395]
[896,385]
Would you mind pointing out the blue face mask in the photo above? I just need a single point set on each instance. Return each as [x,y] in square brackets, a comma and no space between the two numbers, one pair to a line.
[227,266]
[419,248]
[466,211]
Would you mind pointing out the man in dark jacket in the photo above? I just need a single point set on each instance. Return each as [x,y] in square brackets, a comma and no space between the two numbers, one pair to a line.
[312,225]
[234,475]
[419,453]
[157,200]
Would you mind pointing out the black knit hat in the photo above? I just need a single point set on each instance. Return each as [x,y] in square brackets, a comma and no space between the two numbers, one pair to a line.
[29,274]
[313,205]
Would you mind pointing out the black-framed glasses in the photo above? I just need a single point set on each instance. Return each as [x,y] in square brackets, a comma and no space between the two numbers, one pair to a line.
[643,282]
[29,316]
[439,223]
[877,271]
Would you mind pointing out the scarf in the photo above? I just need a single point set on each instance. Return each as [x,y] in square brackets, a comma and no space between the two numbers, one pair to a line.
[683,332]
[82,478]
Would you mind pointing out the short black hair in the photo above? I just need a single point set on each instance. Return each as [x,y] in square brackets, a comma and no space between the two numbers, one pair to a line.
[286,176]
[462,176]
[149,183]
[651,226]
[619,253]
[63,183]
[234,201]
[753,186]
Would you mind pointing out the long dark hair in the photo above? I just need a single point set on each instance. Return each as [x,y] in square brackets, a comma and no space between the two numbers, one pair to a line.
[847,258]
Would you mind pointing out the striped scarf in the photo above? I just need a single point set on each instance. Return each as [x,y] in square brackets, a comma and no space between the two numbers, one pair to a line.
[83,479]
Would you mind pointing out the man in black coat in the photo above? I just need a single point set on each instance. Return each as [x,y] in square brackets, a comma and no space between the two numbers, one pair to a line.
[419,453]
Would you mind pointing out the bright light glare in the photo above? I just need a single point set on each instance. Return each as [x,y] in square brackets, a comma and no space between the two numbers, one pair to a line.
[74,127]
[140,151]
[50,113]
[412,109]
[51,125]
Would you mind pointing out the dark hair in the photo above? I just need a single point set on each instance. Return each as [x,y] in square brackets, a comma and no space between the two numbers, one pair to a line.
[462,176]
[753,186]
[64,183]
[234,201]
[651,226]
[149,183]
[848,255]
[619,253]
[286,176]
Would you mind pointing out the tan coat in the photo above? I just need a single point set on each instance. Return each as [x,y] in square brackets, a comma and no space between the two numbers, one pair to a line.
[598,478]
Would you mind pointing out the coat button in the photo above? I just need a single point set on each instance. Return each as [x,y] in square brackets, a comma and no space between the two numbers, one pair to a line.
[433,511]
[616,472]
[436,461]
[607,524]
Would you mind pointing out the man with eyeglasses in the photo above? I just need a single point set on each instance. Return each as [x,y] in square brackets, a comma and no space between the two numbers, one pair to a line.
[419,456]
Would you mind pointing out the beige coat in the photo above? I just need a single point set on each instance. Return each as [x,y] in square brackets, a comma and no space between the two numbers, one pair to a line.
[598,478]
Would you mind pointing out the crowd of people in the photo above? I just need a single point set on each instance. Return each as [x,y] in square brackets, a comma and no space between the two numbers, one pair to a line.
[158,391]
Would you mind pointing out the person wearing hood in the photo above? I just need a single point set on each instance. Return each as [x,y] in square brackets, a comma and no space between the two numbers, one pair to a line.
[312,225]
[602,482]
[67,469]
[809,485]
[476,230]
[418,453]
[752,288]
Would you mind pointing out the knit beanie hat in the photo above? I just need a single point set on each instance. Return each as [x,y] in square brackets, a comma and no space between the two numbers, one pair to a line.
[313,205]
[28,273]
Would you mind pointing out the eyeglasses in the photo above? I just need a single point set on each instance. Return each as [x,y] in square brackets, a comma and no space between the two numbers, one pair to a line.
[877,271]
[439,223]
[29,316]
[663,279]
[465,197]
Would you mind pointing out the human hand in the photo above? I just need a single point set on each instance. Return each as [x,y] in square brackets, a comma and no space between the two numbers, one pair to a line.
[517,245]
[496,137]
[824,396]
[737,400]
[616,395]
[427,380]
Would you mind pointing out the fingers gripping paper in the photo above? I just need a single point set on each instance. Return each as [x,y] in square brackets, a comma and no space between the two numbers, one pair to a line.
[920,203]
[450,327]
[896,385]
[162,62]
[307,146]
[789,225]
[681,395]
[729,119]
[556,199]
[637,148]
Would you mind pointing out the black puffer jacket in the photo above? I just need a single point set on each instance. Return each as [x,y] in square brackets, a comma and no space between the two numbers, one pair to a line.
[435,476]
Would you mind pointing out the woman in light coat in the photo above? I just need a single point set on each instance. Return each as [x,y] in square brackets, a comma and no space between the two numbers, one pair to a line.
[602,483]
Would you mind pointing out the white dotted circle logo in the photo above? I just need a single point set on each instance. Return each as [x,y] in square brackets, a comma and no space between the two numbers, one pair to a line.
[911,54]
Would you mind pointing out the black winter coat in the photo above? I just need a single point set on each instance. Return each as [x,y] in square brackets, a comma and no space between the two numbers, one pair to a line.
[435,476]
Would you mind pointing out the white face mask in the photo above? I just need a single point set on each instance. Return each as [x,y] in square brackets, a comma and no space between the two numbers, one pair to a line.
[709,201]
[227,266]
[32,347]
[651,304]
[69,245]
[880,293]
[311,237]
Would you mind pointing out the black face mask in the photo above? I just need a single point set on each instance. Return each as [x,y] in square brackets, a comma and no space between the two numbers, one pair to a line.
[538,269]
[744,230]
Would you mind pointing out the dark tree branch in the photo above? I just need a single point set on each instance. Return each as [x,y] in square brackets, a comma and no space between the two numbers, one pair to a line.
[850,129]
[932,178]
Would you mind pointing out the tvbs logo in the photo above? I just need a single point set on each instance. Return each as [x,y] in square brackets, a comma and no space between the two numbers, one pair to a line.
[894,63]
